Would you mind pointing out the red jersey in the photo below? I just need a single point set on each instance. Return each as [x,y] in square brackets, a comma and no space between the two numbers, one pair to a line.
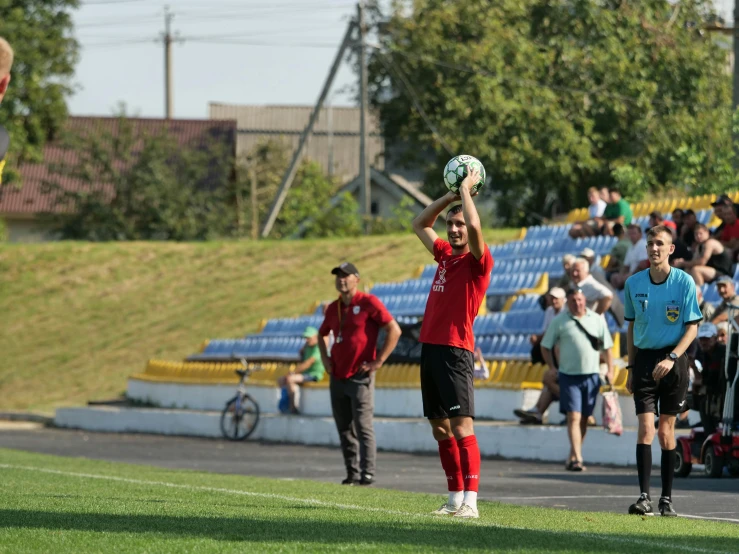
[729,232]
[355,328]
[457,292]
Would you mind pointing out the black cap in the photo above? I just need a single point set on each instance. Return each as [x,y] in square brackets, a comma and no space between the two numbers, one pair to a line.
[723,200]
[346,267]
[572,289]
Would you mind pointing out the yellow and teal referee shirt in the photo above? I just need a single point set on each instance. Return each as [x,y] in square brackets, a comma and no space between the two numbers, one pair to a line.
[660,311]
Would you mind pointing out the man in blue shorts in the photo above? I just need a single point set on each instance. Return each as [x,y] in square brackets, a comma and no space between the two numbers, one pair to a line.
[581,334]
[661,306]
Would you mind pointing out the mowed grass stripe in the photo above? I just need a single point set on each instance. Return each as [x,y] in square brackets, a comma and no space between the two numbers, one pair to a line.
[193,510]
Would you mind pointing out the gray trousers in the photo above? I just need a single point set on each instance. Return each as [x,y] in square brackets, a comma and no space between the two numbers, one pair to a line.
[353,403]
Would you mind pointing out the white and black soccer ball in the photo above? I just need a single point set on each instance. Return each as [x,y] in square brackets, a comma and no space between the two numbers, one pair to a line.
[456,170]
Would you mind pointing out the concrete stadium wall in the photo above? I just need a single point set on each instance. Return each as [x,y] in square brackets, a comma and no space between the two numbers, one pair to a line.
[495,404]
[548,443]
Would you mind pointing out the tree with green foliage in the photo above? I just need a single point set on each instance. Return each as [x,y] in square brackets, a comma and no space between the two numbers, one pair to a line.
[34,109]
[134,187]
[556,96]
[307,210]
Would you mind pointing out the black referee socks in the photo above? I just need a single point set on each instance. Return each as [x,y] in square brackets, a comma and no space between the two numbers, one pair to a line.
[668,471]
[644,466]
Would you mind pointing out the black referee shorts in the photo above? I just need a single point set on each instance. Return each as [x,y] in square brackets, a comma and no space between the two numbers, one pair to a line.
[669,395]
[446,381]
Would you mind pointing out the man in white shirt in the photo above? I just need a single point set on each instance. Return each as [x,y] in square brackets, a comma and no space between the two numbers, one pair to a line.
[636,257]
[589,255]
[597,295]
[596,205]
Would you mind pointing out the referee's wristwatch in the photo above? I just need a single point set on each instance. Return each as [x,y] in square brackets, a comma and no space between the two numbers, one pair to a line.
[673,357]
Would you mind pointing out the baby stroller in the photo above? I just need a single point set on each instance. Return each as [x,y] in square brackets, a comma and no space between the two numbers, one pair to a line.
[721,448]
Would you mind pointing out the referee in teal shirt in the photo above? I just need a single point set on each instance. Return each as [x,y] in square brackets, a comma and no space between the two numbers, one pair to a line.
[662,309]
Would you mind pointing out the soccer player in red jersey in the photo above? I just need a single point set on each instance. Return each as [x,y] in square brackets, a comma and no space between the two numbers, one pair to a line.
[447,359]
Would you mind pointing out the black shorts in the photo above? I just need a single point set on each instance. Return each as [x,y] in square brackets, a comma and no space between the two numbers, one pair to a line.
[446,381]
[670,395]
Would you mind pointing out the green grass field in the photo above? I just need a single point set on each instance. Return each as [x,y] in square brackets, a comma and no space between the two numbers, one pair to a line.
[79,318]
[51,504]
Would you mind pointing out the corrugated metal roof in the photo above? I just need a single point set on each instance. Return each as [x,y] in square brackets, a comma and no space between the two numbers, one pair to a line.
[30,198]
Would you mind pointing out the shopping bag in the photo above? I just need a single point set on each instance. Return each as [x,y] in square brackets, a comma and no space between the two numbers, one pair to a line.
[612,420]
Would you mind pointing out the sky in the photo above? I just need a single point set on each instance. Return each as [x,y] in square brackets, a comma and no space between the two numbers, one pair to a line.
[229,51]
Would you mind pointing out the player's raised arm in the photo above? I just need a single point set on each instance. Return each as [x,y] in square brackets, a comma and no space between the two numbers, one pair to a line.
[423,224]
[469,211]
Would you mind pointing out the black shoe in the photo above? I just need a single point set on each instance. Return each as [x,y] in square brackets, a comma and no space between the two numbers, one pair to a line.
[642,507]
[682,424]
[528,417]
[665,507]
[351,481]
[367,481]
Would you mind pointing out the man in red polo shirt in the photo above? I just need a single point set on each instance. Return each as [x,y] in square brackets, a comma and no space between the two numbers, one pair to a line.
[447,361]
[355,319]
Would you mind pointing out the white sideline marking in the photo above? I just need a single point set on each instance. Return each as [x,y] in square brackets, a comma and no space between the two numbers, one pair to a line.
[712,518]
[494,498]
[316,502]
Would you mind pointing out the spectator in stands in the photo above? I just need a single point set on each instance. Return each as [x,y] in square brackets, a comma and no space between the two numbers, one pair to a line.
[707,309]
[355,319]
[480,370]
[618,252]
[677,218]
[598,296]
[597,204]
[581,335]
[711,259]
[727,291]
[567,261]
[728,232]
[681,252]
[687,230]
[555,300]
[655,218]
[605,194]
[708,397]
[595,269]
[550,389]
[309,370]
[722,332]
[617,211]
[636,257]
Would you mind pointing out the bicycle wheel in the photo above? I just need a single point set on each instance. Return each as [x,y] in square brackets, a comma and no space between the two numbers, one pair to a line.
[239,418]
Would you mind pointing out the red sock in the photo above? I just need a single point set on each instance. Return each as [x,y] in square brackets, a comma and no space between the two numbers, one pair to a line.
[449,454]
[469,456]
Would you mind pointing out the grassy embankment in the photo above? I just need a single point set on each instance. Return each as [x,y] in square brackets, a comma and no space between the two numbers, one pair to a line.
[79,318]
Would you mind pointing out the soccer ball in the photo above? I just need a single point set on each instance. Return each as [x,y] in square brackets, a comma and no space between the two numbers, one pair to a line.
[456,170]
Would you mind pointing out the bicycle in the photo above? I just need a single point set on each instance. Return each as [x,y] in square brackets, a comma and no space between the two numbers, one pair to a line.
[240,416]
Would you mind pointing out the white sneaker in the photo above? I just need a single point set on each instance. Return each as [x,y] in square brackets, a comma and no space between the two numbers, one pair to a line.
[446,510]
[467,512]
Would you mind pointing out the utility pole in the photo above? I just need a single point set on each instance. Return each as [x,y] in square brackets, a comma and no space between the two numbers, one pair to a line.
[364,170]
[254,201]
[287,180]
[167,39]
